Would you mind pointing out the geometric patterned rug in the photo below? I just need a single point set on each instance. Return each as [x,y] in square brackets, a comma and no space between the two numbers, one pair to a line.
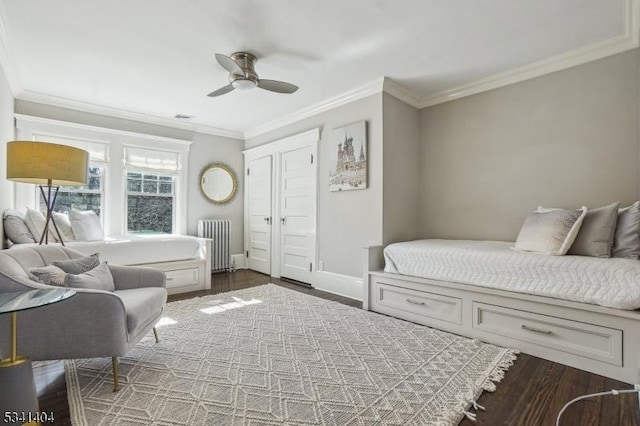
[272,356]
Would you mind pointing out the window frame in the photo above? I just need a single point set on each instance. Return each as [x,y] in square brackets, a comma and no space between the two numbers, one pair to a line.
[158,173]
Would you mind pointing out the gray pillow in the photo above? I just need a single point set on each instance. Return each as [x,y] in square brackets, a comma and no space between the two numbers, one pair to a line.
[15,229]
[551,231]
[49,275]
[79,265]
[626,241]
[99,278]
[596,233]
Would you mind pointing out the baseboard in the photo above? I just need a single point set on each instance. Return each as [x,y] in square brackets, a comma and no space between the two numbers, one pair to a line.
[239,260]
[342,285]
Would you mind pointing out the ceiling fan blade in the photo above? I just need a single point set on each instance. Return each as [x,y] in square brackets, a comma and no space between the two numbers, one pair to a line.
[221,91]
[277,86]
[229,64]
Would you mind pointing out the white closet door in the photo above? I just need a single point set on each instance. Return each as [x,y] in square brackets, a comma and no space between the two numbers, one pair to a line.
[297,214]
[259,212]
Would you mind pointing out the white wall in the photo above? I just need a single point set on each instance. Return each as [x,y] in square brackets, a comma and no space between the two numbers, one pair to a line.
[401,142]
[6,134]
[347,220]
[204,150]
[565,139]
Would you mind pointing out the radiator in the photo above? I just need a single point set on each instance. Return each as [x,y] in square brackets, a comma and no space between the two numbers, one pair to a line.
[220,232]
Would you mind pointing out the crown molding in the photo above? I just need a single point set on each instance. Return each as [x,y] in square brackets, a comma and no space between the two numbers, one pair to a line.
[56,101]
[397,91]
[368,89]
[8,59]
[627,41]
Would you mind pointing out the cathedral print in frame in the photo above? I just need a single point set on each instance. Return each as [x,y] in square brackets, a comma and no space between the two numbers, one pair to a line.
[349,157]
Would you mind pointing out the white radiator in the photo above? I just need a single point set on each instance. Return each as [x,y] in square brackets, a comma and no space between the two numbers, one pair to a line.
[220,232]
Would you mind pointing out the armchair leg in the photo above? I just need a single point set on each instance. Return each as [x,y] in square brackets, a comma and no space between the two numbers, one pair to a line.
[155,333]
[116,379]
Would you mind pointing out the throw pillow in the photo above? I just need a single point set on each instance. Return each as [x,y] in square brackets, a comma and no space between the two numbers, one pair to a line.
[626,241]
[86,225]
[35,221]
[596,233]
[64,226]
[15,229]
[49,275]
[79,265]
[99,278]
[550,232]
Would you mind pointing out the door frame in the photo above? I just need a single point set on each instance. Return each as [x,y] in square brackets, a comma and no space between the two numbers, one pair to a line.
[275,149]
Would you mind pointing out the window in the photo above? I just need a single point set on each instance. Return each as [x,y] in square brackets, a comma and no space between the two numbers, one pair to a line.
[87,197]
[150,203]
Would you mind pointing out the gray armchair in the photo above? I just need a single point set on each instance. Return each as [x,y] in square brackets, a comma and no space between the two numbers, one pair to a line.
[91,324]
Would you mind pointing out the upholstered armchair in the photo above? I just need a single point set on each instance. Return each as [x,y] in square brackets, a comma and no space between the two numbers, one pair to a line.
[91,324]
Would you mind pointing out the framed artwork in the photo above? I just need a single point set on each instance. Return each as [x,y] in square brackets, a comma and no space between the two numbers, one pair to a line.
[349,160]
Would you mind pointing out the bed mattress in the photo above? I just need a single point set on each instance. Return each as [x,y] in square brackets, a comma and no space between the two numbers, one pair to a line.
[614,283]
[140,249]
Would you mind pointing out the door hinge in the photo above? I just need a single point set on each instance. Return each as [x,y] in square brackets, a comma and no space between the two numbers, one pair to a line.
[247,253]
[311,158]
[247,171]
[310,267]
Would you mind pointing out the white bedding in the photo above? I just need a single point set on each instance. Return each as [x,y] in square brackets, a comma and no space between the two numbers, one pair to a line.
[608,282]
[140,249]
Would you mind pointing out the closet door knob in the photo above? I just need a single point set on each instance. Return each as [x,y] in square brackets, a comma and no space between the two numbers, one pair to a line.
[268,220]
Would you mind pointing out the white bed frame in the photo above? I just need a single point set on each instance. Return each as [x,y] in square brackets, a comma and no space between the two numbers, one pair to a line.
[600,340]
[187,275]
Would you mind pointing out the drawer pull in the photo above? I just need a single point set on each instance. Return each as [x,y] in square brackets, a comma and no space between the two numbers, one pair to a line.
[170,278]
[415,303]
[535,330]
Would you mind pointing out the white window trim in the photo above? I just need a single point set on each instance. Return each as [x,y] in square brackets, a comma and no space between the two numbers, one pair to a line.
[114,203]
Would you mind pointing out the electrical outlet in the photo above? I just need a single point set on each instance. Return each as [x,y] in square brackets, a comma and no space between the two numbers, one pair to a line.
[320,265]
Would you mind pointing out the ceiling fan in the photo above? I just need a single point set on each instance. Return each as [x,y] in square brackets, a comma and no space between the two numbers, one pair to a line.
[242,75]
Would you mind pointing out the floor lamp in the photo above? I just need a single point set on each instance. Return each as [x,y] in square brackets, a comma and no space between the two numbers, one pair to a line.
[50,166]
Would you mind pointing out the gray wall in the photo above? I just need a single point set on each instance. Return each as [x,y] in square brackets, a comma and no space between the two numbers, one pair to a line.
[6,134]
[565,139]
[204,150]
[347,220]
[401,162]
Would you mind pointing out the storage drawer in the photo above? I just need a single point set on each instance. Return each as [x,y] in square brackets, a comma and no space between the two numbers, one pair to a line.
[587,340]
[432,305]
[182,277]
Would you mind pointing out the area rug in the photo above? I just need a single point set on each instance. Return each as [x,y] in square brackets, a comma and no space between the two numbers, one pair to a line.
[272,356]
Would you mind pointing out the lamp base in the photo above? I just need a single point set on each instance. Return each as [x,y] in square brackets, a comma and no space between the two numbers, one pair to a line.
[49,196]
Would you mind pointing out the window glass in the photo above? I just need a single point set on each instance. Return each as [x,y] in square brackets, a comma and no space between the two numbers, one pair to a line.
[150,203]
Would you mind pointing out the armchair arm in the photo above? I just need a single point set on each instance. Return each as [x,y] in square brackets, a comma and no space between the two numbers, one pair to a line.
[130,277]
[92,323]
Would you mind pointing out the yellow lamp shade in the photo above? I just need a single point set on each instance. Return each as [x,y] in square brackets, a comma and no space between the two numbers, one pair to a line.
[46,163]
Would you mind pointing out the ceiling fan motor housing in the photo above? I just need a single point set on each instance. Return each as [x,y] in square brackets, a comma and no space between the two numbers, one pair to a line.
[249,80]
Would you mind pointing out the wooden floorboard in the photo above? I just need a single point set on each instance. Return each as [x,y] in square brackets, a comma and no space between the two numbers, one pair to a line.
[532,392]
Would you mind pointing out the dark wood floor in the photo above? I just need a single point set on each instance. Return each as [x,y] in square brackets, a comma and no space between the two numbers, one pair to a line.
[532,392]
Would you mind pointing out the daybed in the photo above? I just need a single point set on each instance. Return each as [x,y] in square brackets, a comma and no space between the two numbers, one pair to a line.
[185,260]
[575,310]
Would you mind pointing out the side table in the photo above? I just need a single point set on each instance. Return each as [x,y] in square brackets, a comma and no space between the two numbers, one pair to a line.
[18,395]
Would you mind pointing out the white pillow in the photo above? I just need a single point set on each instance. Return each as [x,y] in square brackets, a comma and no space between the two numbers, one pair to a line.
[64,226]
[35,222]
[86,225]
[550,231]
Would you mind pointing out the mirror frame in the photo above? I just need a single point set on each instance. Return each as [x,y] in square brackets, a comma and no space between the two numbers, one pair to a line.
[228,169]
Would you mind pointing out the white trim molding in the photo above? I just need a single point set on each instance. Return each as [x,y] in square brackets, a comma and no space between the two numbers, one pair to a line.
[342,285]
[368,89]
[45,124]
[60,102]
[618,44]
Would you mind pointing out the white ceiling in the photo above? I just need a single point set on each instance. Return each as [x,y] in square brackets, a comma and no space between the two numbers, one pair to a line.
[155,57]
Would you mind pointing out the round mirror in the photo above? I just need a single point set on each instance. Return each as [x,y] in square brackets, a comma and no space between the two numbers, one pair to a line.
[218,183]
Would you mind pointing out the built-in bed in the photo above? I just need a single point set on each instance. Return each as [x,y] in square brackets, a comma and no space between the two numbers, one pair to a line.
[576,310]
[185,260]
